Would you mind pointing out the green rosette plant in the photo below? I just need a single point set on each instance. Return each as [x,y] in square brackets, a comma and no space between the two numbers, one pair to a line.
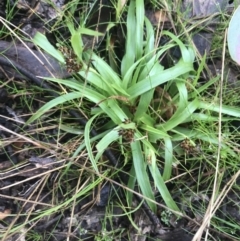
[147,106]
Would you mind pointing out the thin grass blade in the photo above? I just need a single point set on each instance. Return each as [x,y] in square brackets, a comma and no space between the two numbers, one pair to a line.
[140,167]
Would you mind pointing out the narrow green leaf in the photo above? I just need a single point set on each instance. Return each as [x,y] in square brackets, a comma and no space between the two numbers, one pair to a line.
[103,76]
[168,149]
[229,110]
[140,167]
[211,138]
[143,105]
[187,54]
[105,70]
[71,83]
[158,180]
[87,141]
[204,87]
[77,45]
[150,38]
[149,66]
[96,80]
[146,119]
[49,105]
[152,67]
[179,118]
[41,40]
[150,158]
[89,32]
[156,80]
[108,105]
[206,118]
[103,144]
[70,129]
[70,26]
[131,185]
[92,96]
[128,126]
[145,140]
[159,134]
[82,146]
[117,110]
[129,56]
[140,13]
[182,96]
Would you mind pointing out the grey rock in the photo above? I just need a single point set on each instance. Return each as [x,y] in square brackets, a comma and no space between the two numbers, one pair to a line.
[37,63]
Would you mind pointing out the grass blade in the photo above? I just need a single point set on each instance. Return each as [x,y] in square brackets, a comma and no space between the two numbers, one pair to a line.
[180,117]
[41,40]
[87,141]
[129,56]
[155,80]
[158,180]
[140,13]
[103,144]
[140,167]
[168,159]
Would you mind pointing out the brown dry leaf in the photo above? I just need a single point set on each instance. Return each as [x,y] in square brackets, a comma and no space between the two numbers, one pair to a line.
[161,16]
[5,214]
[18,145]
[156,17]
